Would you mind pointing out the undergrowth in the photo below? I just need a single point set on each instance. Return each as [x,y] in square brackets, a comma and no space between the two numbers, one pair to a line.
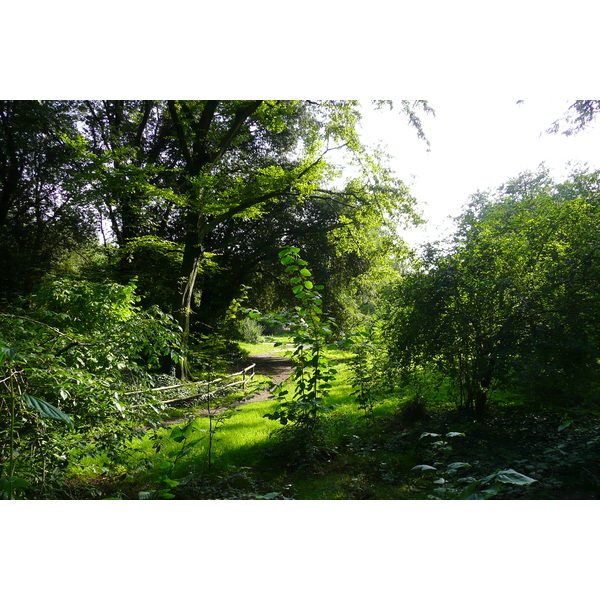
[554,453]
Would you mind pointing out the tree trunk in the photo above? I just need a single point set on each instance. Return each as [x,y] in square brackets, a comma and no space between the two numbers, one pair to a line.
[483,389]
[193,254]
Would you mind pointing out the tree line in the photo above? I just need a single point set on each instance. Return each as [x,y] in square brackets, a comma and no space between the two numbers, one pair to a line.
[511,301]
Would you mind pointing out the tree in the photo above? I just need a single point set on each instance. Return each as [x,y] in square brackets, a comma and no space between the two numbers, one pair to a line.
[581,114]
[39,219]
[513,301]
[352,267]
[241,158]
[126,167]
[185,169]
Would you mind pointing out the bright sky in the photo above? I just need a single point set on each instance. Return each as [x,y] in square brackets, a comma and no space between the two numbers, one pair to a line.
[475,144]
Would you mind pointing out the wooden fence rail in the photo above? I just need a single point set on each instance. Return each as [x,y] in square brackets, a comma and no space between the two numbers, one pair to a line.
[246,378]
[159,389]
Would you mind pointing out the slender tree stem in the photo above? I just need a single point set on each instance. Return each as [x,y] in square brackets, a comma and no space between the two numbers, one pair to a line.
[11,433]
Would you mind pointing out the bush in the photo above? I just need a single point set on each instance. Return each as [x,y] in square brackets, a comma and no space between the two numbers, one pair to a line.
[414,411]
[250,331]
[70,352]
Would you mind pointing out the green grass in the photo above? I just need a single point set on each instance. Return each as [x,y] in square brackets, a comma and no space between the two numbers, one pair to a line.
[267,345]
[356,458]
[234,443]
[241,441]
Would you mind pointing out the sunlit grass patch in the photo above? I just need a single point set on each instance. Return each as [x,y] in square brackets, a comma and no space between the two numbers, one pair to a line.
[275,344]
[243,439]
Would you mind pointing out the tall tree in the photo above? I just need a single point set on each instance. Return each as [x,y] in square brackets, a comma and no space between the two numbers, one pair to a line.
[246,253]
[39,218]
[125,166]
[239,158]
[182,170]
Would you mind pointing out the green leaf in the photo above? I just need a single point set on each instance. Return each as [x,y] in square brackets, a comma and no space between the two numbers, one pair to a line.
[269,496]
[471,492]
[491,491]
[170,483]
[17,483]
[453,467]
[47,410]
[455,434]
[305,273]
[177,434]
[428,434]
[423,468]
[512,476]
[297,289]
[118,406]
[9,353]
[147,495]
[308,285]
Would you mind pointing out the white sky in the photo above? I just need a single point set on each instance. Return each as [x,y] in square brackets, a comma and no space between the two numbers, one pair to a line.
[475,144]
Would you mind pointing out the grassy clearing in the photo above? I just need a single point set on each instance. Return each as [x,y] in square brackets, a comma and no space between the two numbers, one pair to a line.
[352,457]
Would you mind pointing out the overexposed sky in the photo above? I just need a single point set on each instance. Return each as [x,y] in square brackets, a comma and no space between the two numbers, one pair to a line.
[476,144]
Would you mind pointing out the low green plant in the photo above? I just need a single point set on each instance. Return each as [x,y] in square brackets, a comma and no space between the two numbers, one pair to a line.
[170,449]
[249,331]
[20,405]
[413,410]
[76,348]
[366,379]
[449,482]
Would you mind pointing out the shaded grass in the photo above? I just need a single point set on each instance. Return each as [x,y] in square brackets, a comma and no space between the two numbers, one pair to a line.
[242,429]
[243,440]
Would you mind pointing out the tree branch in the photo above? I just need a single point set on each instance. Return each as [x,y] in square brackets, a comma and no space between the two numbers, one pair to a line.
[200,150]
[240,116]
[179,132]
[142,127]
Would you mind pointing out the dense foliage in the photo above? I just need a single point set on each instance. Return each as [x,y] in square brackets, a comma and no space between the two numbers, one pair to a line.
[512,302]
[70,355]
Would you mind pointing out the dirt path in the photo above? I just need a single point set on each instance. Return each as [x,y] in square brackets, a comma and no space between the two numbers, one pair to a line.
[277,367]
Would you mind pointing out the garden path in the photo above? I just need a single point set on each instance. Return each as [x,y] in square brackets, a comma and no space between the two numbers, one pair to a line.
[279,368]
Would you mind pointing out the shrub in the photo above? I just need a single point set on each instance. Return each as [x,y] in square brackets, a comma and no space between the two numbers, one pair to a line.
[414,411]
[69,354]
[250,331]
